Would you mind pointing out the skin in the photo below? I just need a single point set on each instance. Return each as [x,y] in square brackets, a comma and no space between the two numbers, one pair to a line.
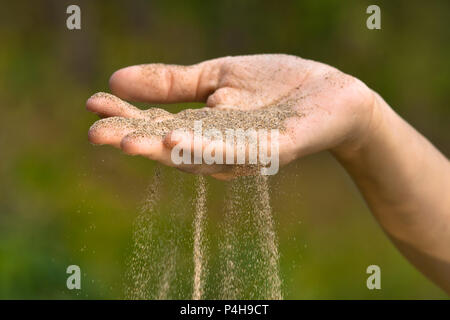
[402,176]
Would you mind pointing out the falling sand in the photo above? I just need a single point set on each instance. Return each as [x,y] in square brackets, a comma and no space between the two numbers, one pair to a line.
[268,239]
[248,246]
[199,239]
[140,267]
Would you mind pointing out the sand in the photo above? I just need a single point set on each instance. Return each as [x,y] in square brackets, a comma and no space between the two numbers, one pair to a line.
[268,239]
[200,264]
[140,266]
[248,246]
[157,122]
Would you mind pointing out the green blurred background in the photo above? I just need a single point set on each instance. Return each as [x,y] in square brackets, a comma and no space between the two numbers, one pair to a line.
[63,201]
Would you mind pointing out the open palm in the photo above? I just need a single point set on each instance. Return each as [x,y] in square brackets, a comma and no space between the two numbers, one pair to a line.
[334,107]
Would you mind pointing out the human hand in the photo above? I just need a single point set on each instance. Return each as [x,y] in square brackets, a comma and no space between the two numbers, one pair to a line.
[333,110]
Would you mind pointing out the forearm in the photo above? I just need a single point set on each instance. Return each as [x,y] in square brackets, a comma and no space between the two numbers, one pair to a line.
[405,181]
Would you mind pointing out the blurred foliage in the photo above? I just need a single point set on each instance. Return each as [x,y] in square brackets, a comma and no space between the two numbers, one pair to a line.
[66,202]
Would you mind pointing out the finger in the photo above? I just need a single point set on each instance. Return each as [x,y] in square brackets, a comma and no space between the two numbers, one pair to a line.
[108,105]
[234,98]
[256,148]
[161,83]
[141,143]
[187,156]
[201,149]
[111,130]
